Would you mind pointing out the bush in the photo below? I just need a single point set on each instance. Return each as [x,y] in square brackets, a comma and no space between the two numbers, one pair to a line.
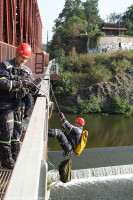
[64,86]
[68,83]
[72,64]
[93,105]
[86,61]
[122,106]
[103,59]
[99,73]
[120,66]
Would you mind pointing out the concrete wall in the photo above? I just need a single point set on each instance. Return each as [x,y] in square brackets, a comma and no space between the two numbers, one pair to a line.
[95,158]
[114,39]
[113,43]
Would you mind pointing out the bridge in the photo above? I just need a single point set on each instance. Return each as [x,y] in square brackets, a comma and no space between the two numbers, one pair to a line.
[28,180]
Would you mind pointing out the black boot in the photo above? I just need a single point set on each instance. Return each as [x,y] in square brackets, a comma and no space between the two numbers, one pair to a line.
[6,158]
[15,147]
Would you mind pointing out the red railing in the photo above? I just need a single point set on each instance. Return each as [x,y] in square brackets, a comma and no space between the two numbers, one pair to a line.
[36,63]
[20,21]
[9,52]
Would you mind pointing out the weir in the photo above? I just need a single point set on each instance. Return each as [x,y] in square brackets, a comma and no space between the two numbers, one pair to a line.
[95,158]
[105,173]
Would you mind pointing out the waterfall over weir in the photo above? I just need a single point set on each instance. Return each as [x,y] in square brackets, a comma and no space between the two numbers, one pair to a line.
[111,183]
[94,172]
[98,174]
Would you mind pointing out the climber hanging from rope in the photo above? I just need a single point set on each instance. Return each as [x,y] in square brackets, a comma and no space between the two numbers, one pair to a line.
[75,139]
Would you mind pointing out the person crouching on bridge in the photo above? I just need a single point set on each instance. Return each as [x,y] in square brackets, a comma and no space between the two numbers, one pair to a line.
[68,141]
[12,89]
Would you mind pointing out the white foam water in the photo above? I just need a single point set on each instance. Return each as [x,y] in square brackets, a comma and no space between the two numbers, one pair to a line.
[112,183]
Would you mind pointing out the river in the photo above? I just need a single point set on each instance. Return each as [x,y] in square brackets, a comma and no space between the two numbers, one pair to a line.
[111,182]
[103,130]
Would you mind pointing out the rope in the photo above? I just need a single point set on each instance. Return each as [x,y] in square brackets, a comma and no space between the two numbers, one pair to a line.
[63,192]
[54,97]
[51,164]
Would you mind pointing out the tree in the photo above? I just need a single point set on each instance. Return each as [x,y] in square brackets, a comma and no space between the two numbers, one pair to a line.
[128,15]
[91,11]
[128,18]
[74,25]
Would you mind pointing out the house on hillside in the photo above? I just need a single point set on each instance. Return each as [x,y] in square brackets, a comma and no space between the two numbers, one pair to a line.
[115,38]
[114,29]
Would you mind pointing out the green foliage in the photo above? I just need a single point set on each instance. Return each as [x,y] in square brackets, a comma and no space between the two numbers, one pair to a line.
[93,105]
[129,25]
[64,86]
[122,106]
[94,35]
[120,66]
[92,13]
[73,26]
[99,73]
[60,58]
[67,84]
[72,64]
[128,19]
[128,15]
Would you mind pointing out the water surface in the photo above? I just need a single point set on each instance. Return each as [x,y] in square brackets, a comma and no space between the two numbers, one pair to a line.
[104,130]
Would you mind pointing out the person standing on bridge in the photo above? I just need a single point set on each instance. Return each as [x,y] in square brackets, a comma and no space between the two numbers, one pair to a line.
[68,141]
[12,89]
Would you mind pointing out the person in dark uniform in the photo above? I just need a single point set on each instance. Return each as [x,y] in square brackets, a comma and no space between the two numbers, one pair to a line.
[68,141]
[12,89]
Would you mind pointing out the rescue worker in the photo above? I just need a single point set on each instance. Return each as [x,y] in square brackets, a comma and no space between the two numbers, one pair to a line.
[12,88]
[71,140]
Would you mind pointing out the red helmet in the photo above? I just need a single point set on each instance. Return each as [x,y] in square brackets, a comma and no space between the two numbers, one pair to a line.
[80,121]
[24,50]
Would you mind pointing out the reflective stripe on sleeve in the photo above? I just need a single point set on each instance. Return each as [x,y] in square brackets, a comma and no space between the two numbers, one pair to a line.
[5,142]
[2,78]
[10,87]
[71,128]
[10,66]
[14,140]
[10,121]
[18,122]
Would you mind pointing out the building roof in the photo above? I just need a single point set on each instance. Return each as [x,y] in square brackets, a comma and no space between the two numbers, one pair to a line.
[110,28]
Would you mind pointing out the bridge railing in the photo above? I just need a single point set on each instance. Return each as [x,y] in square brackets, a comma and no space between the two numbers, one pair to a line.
[29,176]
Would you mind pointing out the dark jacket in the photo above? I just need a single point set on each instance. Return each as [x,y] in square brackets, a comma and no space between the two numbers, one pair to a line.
[75,132]
[10,75]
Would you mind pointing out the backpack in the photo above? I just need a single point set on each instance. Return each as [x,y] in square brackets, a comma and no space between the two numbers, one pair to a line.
[81,145]
[65,170]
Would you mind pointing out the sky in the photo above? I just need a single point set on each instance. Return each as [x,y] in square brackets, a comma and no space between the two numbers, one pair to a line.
[50,10]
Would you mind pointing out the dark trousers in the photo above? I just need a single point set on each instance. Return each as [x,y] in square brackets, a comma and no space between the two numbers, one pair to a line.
[10,126]
[65,144]
[27,100]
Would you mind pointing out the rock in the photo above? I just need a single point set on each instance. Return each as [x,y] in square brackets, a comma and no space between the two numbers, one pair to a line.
[121,85]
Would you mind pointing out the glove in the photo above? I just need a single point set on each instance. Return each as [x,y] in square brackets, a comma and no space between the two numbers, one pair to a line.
[37,82]
[16,85]
[65,154]
[61,115]
[22,92]
[25,83]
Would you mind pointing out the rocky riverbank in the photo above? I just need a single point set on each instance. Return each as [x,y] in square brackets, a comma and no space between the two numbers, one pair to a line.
[121,85]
